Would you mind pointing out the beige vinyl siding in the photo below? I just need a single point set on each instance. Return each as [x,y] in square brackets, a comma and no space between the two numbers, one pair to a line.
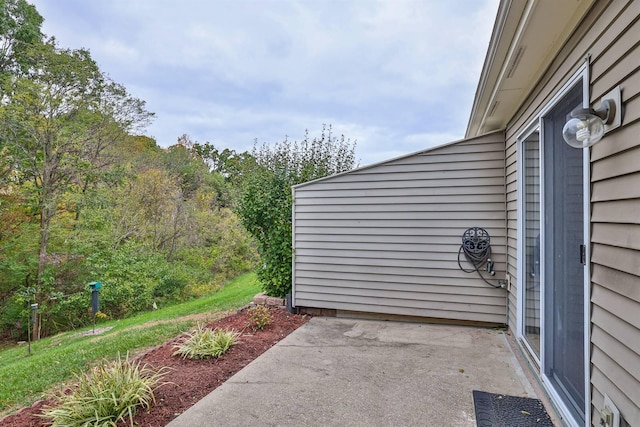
[385,239]
[609,35]
[615,217]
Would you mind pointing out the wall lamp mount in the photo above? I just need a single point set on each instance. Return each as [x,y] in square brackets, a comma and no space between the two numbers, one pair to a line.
[587,125]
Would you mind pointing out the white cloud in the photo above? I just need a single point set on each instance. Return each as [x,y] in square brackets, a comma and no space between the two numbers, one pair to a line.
[394,74]
[120,51]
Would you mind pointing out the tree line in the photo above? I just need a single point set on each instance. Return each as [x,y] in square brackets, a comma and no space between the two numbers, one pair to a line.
[86,196]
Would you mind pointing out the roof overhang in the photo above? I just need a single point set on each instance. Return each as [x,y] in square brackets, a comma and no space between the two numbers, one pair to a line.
[526,37]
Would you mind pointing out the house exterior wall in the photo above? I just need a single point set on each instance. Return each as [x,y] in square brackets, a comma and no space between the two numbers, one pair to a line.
[385,239]
[609,36]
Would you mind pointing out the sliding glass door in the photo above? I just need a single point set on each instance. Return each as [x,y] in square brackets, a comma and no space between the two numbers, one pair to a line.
[553,252]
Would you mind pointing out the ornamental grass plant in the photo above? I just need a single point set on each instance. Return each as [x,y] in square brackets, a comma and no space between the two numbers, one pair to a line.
[204,342]
[107,394]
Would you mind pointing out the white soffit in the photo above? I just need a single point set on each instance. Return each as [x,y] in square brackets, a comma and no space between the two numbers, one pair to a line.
[526,37]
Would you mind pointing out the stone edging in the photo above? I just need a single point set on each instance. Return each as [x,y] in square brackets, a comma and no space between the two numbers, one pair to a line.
[262,299]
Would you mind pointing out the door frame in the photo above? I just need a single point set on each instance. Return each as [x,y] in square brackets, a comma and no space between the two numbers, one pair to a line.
[582,74]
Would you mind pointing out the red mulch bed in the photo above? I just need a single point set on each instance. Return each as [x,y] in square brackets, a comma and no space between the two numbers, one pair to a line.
[190,380]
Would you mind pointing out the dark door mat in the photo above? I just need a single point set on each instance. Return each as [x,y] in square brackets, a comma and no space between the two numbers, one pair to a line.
[499,410]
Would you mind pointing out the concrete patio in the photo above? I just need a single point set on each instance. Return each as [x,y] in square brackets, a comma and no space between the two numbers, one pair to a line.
[349,372]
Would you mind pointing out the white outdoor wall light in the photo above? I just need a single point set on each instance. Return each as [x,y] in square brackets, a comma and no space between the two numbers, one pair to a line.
[587,126]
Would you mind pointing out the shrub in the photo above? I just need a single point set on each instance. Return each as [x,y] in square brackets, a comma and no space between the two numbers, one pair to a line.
[120,299]
[169,287]
[265,202]
[204,342]
[69,311]
[101,316]
[259,317]
[107,394]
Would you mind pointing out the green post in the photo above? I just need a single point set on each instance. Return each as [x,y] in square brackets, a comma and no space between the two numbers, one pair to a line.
[95,306]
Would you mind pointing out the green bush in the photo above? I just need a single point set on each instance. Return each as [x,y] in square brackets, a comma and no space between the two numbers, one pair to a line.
[169,287]
[266,209]
[222,251]
[128,274]
[122,299]
[13,316]
[265,203]
[203,343]
[69,312]
[107,394]
[259,317]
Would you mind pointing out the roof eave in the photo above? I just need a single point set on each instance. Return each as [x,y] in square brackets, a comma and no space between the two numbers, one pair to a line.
[526,37]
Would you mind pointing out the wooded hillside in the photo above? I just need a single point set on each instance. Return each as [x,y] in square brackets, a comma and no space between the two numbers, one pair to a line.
[85,197]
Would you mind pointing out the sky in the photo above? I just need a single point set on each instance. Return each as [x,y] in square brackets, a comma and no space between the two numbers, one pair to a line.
[395,76]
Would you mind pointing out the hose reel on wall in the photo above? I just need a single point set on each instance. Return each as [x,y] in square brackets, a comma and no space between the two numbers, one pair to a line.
[476,247]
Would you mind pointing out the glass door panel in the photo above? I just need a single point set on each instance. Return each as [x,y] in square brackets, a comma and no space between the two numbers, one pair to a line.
[531,186]
[564,329]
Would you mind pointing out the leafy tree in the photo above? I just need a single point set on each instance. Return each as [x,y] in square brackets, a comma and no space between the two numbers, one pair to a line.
[193,172]
[266,202]
[59,116]
[35,126]
[19,30]
[20,25]
[226,166]
[19,244]
[151,210]
[226,162]
[103,127]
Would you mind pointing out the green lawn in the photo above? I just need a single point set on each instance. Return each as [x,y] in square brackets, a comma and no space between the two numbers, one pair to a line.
[25,379]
